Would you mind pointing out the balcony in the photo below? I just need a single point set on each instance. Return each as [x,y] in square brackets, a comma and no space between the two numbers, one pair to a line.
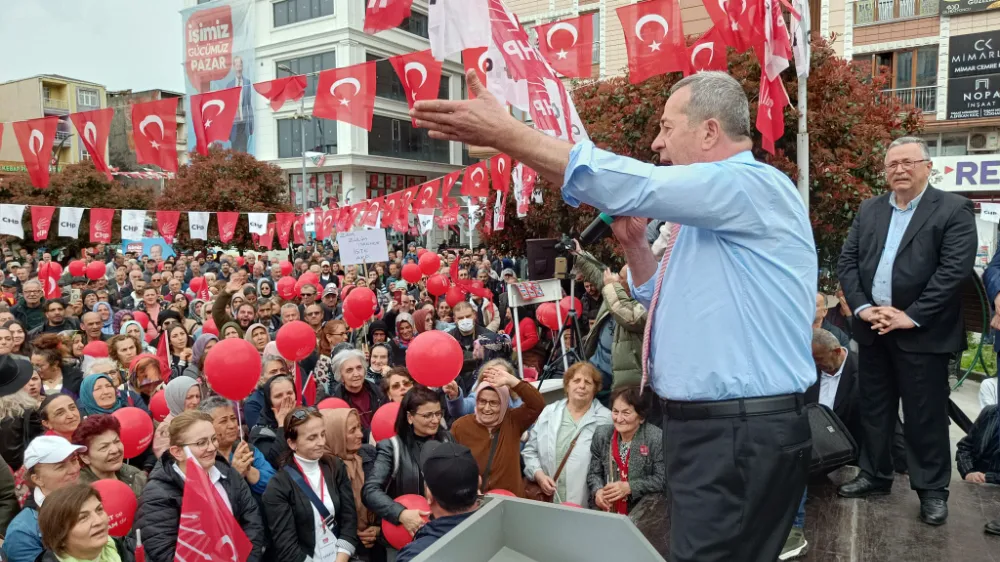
[880,11]
[54,104]
[923,98]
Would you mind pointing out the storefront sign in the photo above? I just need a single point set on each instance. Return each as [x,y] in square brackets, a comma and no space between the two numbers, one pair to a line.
[974,55]
[966,173]
[974,98]
[956,7]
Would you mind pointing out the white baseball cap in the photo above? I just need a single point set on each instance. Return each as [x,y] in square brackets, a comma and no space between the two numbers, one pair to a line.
[49,449]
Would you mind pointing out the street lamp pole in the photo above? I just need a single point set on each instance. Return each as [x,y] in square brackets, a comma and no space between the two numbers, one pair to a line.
[304,119]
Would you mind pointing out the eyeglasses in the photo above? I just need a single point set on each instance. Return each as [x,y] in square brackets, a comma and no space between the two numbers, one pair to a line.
[431,415]
[339,334]
[490,403]
[905,165]
[203,444]
[308,294]
[314,313]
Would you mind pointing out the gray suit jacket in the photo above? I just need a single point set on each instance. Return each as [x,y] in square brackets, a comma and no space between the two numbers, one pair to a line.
[646,472]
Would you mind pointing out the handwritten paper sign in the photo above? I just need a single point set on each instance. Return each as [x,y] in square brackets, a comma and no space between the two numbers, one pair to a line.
[363,246]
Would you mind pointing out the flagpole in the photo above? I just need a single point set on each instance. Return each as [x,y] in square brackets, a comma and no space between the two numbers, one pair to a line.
[802,140]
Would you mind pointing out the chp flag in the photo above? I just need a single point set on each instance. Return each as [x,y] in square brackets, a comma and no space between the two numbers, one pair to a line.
[41,221]
[69,221]
[10,220]
[198,225]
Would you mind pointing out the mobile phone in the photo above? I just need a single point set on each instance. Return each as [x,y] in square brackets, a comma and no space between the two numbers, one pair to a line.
[74,295]
[397,296]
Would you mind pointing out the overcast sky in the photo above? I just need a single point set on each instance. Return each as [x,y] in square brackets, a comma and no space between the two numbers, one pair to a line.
[122,44]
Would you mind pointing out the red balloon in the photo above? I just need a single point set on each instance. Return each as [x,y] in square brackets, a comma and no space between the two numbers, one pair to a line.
[119,503]
[209,327]
[397,535]
[286,267]
[434,358]
[295,341]
[501,492]
[197,284]
[158,406]
[546,315]
[55,270]
[96,349]
[362,303]
[240,260]
[437,284]
[454,295]
[566,303]
[311,278]
[332,404]
[429,263]
[420,253]
[137,430]
[77,268]
[286,288]
[301,284]
[412,273]
[384,421]
[96,270]
[233,368]
[141,317]
[353,321]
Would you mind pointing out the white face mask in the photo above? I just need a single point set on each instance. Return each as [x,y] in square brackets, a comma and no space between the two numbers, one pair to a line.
[465,325]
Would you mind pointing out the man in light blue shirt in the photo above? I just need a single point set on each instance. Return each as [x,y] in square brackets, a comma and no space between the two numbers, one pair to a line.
[731,326]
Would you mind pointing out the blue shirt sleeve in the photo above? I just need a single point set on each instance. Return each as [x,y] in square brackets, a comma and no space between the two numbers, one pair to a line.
[265,469]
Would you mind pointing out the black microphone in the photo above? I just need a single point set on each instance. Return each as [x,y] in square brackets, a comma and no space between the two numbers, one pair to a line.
[598,229]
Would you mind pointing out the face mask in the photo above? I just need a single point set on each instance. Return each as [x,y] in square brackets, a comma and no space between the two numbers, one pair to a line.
[465,325]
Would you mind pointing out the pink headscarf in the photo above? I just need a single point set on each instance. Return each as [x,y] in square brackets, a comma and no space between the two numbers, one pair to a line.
[504,394]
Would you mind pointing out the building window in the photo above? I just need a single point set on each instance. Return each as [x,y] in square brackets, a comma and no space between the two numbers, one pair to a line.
[84,155]
[292,11]
[399,139]
[388,86]
[88,98]
[310,66]
[874,11]
[415,24]
[912,74]
[956,145]
[321,136]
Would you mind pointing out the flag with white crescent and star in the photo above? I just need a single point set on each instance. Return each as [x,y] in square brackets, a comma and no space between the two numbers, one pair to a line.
[477,58]
[654,38]
[475,182]
[381,15]
[35,137]
[94,127]
[154,130]
[709,52]
[568,45]
[420,74]
[212,116]
[347,94]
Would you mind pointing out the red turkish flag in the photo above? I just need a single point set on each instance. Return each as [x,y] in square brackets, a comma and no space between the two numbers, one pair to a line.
[207,529]
[93,128]
[477,59]
[402,220]
[343,219]
[500,172]
[325,224]
[426,199]
[35,137]
[267,240]
[447,185]
[358,212]
[41,221]
[733,22]
[154,128]
[280,90]
[100,225]
[420,74]
[166,224]
[771,111]
[227,225]
[568,46]
[476,183]
[371,217]
[212,116]
[283,222]
[707,53]
[298,232]
[391,208]
[654,38]
[385,14]
[347,94]
[48,276]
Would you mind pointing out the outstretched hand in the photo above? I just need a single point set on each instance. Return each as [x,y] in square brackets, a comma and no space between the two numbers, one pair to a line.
[475,121]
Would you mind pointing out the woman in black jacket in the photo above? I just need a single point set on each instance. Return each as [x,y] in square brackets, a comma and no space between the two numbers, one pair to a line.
[297,526]
[397,462]
[159,510]
[269,435]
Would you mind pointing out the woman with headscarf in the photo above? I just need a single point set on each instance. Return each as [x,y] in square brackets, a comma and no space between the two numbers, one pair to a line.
[423,320]
[199,351]
[98,395]
[104,310]
[134,328]
[272,364]
[261,292]
[268,434]
[119,319]
[404,335]
[89,298]
[495,427]
[344,439]
[257,335]
[181,394]
[145,375]
[230,330]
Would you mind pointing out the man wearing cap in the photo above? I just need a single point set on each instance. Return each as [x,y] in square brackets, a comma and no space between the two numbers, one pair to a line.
[331,306]
[51,463]
[326,275]
[823,304]
[451,485]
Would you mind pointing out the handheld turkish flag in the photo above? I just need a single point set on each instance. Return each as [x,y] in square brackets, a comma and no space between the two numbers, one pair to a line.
[568,46]
[708,53]
[154,129]
[426,199]
[771,110]
[420,74]
[402,221]
[385,14]
[35,137]
[654,38]
[478,59]
[48,276]
[94,128]
[164,358]
[500,172]
[347,94]
[227,225]
[280,90]
[283,223]
[166,224]
[41,221]
[212,116]
[207,530]
[475,183]
[100,225]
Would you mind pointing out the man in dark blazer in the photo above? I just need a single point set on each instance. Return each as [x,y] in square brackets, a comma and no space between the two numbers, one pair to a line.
[243,123]
[905,258]
[836,379]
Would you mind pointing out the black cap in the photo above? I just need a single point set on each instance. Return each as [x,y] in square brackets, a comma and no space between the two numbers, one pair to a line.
[15,372]
[451,473]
